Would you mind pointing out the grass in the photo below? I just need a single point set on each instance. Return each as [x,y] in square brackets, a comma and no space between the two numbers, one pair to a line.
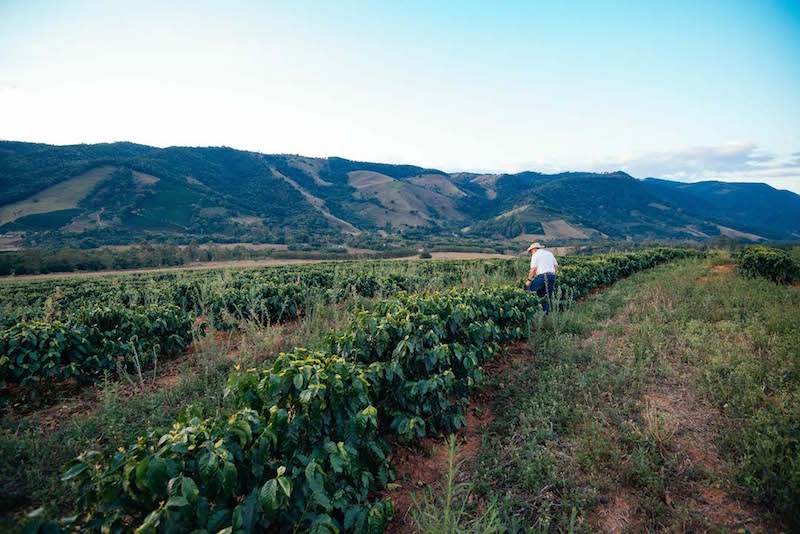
[671,390]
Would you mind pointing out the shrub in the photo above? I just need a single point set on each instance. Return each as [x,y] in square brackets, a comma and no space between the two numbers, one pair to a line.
[767,262]
[95,340]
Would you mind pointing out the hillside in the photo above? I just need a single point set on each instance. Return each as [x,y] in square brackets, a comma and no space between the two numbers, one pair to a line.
[90,195]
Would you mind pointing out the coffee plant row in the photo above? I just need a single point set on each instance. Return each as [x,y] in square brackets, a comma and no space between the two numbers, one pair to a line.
[94,342]
[207,291]
[305,449]
[767,262]
[82,328]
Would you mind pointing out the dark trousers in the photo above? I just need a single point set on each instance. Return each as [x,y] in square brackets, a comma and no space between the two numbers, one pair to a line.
[542,285]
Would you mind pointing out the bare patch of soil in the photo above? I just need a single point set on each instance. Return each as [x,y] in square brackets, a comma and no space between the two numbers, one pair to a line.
[726,269]
[618,515]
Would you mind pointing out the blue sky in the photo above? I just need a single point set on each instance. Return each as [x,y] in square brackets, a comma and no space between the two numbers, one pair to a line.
[683,90]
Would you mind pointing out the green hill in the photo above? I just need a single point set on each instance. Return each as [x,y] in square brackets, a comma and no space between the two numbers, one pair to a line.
[120,193]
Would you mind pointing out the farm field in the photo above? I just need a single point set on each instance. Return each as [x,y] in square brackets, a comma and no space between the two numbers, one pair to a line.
[246,264]
[613,407]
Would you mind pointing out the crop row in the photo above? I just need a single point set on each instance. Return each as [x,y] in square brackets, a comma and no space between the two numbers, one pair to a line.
[304,449]
[93,342]
[768,262]
[191,289]
[80,328]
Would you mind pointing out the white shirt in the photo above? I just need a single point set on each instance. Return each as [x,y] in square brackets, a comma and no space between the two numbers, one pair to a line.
[544,262]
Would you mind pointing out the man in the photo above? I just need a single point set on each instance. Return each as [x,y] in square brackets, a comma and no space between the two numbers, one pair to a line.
[542,276]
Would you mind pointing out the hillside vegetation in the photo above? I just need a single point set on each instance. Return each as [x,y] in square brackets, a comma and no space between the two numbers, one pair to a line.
[90,195]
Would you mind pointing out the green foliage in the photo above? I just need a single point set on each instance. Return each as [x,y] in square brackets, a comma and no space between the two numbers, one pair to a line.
[508,227]
[425,351]
[303,449]
[41,221]
[264,302]
[767,262]
[93,341]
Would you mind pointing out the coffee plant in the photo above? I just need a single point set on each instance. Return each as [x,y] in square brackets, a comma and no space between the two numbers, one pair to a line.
[767,262]
[94,341]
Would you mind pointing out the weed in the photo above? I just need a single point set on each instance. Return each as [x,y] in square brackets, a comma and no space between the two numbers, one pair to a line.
[446,509]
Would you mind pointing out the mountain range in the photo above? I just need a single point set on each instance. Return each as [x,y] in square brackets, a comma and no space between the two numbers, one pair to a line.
[120,193]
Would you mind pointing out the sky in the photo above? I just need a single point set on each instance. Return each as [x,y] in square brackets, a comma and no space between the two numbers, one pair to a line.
[689,90]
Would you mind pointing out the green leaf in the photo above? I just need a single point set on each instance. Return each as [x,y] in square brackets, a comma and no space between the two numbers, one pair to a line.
[141,473]
[74,471]
[189,490]
[246,515]
[150,523]
[352,515]
[286,485]
[314,475]
[177,502]
[217,519]
[157,476]
[207,467]
[228,478]
[268,497]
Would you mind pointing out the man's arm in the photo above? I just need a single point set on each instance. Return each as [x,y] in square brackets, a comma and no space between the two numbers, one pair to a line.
[531,276]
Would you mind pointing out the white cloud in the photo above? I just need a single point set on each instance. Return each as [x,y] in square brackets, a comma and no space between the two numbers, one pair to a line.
[731,162]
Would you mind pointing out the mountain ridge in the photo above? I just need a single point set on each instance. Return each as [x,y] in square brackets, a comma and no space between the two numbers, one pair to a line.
[113,193]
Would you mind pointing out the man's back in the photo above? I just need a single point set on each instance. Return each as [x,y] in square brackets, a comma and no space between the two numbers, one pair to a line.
[544,262]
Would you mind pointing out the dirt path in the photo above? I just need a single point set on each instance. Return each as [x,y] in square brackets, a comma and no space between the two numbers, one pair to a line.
[696,431]
[686,430]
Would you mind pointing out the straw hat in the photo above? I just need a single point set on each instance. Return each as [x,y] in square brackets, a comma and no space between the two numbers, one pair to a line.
[536,245]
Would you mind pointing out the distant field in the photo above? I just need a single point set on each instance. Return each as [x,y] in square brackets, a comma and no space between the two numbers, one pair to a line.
[267,262]
[562,229]
[60,197]
[43,221]
[736,234]
[405,204]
